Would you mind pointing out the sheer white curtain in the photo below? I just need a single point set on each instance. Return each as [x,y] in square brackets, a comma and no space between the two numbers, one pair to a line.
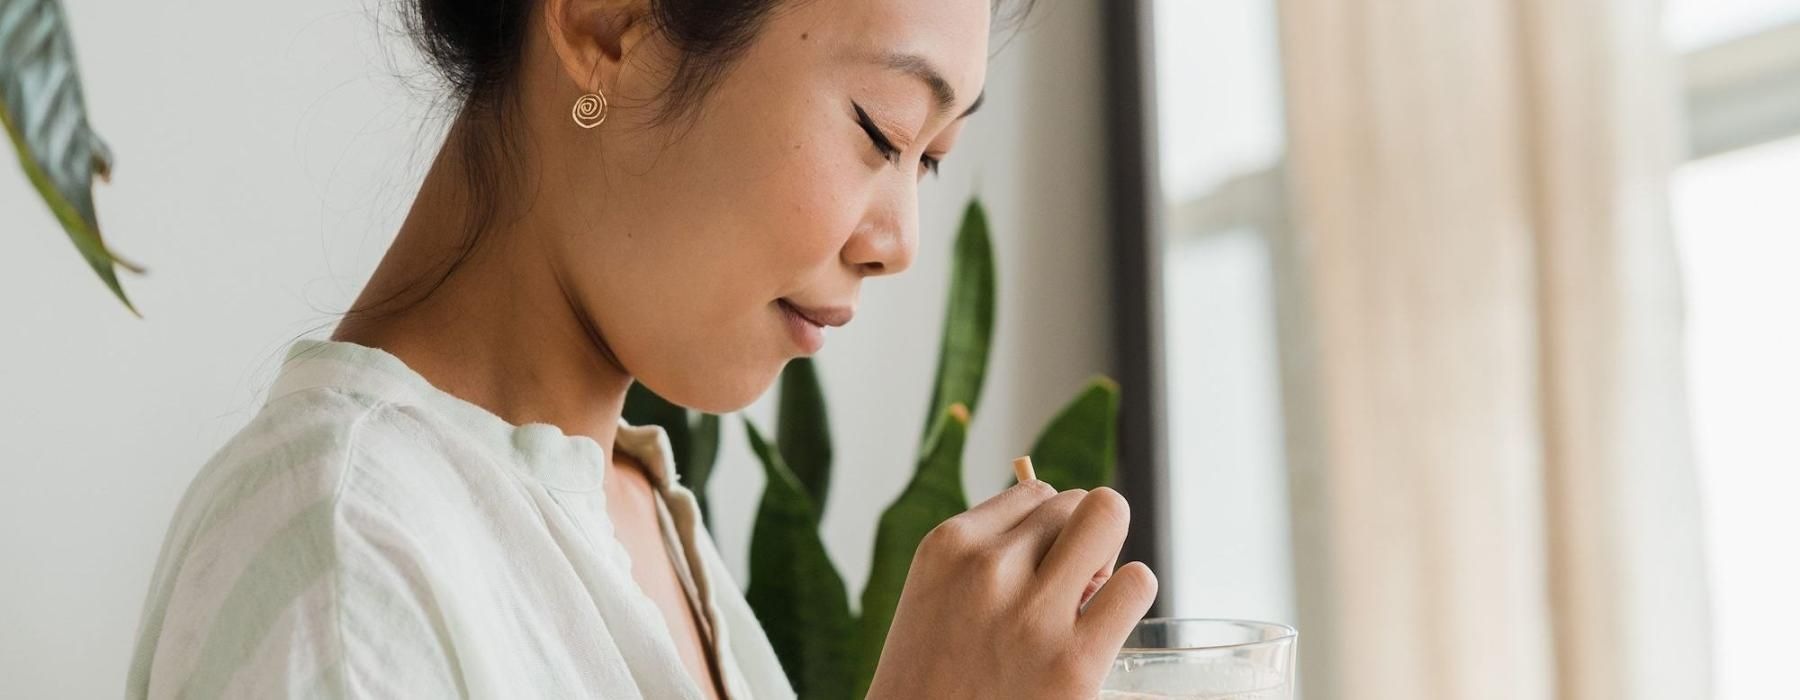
[1491,469]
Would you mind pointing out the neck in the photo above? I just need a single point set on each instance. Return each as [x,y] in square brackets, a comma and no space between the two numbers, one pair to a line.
[499,332]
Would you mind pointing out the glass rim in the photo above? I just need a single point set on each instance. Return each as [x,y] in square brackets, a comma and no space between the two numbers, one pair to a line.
[1284,633]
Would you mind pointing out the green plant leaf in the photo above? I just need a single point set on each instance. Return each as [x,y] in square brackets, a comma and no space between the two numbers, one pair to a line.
[796,592]
[803,431]
[703,453]
[644,407]
[1079,447]
[694,448]
[45,117]
[934,495]
[969,319]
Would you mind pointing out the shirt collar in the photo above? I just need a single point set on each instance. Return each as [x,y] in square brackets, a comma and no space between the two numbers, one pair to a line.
[568,462]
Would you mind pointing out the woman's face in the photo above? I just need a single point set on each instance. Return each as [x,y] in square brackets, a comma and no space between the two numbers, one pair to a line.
[709,249]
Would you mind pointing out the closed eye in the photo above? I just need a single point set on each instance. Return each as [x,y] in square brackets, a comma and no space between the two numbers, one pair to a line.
[886,147]
[882,143]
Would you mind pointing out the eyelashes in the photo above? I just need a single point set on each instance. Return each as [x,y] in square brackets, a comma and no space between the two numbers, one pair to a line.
[884,145]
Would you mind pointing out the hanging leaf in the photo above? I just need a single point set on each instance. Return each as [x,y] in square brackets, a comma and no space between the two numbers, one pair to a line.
[968,320]
[796,592]
[1079,447]
[934,495]
[45,117]
[803,431]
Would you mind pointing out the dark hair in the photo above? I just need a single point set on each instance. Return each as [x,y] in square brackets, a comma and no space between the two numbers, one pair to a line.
[476,47]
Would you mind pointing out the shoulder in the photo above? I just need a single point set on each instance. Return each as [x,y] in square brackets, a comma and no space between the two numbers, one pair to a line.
[275,493]
[309,448]
[265,553]
[297,451]
[283,496]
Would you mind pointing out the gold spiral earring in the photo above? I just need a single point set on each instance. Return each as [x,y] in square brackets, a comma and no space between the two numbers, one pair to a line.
[590,109]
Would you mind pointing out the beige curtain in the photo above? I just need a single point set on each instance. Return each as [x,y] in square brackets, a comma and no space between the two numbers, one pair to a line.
[1480,308]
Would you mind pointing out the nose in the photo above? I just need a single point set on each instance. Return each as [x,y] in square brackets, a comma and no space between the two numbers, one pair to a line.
[887,239]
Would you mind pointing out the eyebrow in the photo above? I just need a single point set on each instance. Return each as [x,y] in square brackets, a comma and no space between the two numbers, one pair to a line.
[941,92]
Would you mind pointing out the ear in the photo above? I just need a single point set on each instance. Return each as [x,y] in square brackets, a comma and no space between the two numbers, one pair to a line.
[593,37]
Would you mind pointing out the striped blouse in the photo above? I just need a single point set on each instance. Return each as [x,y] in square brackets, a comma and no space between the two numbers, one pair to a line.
[368,535]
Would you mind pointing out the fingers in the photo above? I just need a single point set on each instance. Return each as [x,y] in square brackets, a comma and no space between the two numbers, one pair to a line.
[1116,609]
[1005,510]
[1094,584]
[1038,530]
[1089,541]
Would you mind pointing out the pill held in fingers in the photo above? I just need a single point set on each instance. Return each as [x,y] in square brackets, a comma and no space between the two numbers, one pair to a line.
[1022,469]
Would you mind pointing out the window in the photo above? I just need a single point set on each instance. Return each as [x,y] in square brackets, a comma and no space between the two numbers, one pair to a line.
[1737,225]
[1221,139]
[1736,217]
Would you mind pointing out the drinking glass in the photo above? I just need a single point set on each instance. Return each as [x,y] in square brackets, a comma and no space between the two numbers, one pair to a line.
[1192,659]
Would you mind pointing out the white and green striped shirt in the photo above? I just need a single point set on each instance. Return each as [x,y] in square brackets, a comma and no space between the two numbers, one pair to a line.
[368,535]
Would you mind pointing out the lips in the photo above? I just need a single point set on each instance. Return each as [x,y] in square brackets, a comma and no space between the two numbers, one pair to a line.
[833,316]
[806,324]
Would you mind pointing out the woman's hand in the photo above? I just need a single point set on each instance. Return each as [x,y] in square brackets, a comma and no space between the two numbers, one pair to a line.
[997,602]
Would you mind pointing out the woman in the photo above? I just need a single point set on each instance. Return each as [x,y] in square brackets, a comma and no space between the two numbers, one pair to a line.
[443,501]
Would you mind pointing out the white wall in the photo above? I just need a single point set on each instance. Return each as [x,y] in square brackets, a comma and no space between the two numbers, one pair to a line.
[266,152]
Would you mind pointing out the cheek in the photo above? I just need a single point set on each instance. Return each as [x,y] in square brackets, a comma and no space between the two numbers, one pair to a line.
[786,234]
[809,210]
[768,220]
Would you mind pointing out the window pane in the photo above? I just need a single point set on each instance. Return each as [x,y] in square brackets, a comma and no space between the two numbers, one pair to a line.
[1228,502]
[1691,24]
[1218,93]
[1220,134]
[1738,224]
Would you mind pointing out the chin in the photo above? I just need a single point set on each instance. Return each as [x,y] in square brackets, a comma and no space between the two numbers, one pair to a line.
[723,390]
